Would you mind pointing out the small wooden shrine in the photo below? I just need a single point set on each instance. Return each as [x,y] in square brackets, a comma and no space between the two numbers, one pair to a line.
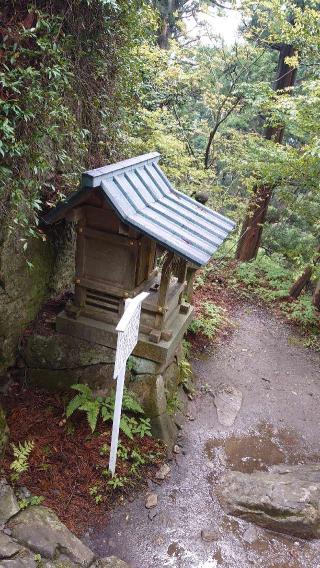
[135,233]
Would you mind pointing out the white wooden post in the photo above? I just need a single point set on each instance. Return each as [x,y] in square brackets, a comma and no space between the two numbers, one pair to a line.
[128,332]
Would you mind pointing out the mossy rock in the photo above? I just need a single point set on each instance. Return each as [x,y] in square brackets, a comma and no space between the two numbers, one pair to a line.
[4,431]
[22,290]
[61,352]
[98,377]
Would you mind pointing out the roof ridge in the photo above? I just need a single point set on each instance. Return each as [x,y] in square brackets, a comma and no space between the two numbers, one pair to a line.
[93,178]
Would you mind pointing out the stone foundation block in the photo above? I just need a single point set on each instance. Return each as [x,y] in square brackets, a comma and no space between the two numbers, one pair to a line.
[150,391]
[164,428]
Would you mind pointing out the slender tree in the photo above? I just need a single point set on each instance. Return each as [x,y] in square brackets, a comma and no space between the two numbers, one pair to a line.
[171,13]
[316,296]
[252,226]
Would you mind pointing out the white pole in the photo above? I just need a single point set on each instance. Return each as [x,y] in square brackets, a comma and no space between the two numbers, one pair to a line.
[127,340]
[116,420]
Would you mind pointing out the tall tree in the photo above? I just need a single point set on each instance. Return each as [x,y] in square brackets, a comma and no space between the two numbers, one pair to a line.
[251,231]
[171,13]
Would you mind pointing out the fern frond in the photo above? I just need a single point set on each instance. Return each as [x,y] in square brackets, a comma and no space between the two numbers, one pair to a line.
[73,405]
[21,454]
[130,403]
[84,389]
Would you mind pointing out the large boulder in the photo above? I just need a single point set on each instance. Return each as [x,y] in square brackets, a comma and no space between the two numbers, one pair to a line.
[284,499]
[40,530]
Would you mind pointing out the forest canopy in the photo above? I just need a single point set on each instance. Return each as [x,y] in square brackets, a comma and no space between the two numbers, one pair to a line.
[92,81]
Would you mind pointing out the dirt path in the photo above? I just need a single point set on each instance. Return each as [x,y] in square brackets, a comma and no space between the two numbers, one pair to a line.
[278,422]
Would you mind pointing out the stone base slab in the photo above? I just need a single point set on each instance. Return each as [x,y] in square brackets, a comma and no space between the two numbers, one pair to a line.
[105,334]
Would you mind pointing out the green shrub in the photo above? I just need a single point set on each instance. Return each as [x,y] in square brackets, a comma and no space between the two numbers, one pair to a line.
[210,320]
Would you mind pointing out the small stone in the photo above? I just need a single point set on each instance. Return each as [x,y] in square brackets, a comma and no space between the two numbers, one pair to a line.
[163,471]
[209,535]
[227,400]
[110,562]
[250,535]
[176,449]
[151,501]
[151,514]
[24,493]
[7,531]
[190,417]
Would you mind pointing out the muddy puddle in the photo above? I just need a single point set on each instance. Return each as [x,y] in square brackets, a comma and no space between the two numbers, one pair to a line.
[257,451]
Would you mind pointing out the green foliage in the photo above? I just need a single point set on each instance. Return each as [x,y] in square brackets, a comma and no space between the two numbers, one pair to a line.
[96,492]
[268,275]
[202,276]
[68,82]
[30,501]
[174,403]
[185,376]
[186,349]
[94,407]
[21,454]
[132,457]
[35,101]
[185,371]
[131,365]
[210,320]
[302,312]
[117,481]
[86,401]
[269,278]
[38,559]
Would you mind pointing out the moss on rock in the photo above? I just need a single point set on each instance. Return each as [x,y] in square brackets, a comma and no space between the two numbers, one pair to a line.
[4,431]
[22,290]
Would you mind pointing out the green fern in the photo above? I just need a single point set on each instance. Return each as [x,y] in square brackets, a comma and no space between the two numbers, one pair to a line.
[130,403]
[94,407]
[21,454]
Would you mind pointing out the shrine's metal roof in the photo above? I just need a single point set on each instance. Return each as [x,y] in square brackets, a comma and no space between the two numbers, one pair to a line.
[144,198]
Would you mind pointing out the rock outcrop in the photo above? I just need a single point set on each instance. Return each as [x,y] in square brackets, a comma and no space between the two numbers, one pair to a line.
[284,499]
[35,537]
[24,288]
[4,431]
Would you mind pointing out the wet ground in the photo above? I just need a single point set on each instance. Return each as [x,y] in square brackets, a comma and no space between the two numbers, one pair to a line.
[278,422]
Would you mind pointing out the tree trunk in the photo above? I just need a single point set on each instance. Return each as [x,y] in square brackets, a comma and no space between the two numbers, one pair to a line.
[301,283]
[251,231]
[168,20]
[316,296]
